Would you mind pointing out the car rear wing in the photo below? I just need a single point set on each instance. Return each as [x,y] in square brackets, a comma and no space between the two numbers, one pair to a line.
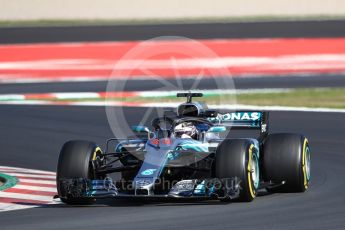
[243,120]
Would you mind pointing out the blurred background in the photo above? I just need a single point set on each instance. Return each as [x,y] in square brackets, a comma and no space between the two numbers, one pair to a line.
[158,11]
[294,45]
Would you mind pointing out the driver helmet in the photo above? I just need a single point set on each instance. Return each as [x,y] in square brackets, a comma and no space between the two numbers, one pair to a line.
[186,130]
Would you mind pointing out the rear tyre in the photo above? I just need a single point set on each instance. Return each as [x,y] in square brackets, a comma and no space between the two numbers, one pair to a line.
[286,158]
[75,162]
[238,158]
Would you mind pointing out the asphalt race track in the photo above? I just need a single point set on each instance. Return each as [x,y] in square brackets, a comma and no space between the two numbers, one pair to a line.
[31,137]
[287,29]
[140,85]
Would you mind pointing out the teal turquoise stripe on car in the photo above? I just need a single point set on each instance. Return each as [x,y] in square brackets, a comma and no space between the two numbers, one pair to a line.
[190,144]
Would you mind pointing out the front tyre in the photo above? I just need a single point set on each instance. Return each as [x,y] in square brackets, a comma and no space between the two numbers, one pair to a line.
[238,158]
[286,158]
[75,162]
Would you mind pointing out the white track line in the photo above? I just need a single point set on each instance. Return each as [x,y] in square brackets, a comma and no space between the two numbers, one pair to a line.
[25,172]
[250,107]
[36,188]
[173,105]
[38,181]
[6,168]
[53,177]
[76,95]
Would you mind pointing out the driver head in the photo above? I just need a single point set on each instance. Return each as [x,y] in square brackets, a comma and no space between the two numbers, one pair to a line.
[186,130]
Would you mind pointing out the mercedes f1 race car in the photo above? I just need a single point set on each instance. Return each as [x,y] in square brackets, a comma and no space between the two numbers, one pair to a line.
[185,155]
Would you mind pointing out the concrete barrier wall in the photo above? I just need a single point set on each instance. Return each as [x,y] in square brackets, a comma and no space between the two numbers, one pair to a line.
[167,9]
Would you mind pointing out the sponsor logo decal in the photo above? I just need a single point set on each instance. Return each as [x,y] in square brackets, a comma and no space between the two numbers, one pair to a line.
[148,172]
[239,116]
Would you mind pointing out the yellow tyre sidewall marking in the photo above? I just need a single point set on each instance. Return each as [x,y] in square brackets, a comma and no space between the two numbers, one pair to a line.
[98,150]
[304,167]
[249,169]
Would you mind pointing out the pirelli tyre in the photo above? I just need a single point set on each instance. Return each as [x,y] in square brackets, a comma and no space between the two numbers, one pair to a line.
[75,162]
[286,158]
[238,158]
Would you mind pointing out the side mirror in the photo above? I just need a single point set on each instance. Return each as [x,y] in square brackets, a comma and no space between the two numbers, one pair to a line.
[217,129]
[141,129]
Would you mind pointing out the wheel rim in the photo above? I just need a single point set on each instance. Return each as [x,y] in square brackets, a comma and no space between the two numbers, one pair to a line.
[307,163]
[255,171]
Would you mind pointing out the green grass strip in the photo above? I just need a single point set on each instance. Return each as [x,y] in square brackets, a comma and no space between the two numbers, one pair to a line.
[333,98]
[316,98]
[312,98]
